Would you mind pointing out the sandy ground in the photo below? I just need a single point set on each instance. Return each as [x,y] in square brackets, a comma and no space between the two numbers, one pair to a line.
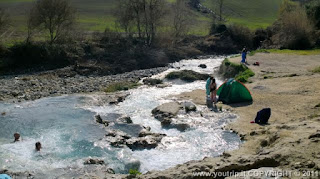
[291,141]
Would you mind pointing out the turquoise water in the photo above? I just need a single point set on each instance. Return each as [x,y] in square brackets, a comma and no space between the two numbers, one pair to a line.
[69,135]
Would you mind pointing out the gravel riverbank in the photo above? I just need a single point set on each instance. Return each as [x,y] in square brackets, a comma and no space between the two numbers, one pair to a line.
[61,82]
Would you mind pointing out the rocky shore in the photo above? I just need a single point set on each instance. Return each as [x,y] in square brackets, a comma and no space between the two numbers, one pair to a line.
[289,145]
[62,81]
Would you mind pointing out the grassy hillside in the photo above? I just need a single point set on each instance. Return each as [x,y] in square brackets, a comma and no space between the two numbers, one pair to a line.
[96,15]
[251,13]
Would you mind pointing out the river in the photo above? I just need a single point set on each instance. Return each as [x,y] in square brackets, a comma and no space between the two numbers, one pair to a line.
[69,135]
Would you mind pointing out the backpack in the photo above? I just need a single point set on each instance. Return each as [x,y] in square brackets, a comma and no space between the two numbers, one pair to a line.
[263,116]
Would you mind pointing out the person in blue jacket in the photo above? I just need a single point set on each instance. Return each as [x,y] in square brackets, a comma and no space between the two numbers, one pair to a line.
[244,55]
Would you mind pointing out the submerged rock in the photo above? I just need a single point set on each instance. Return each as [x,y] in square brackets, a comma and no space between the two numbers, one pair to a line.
[91,161]
[101,121]
[125,119]
[202,66]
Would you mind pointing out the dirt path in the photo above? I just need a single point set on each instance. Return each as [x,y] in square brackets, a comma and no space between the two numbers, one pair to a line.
[291,142]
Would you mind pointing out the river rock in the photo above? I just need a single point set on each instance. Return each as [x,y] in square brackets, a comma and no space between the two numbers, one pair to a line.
[163,85]
[152,81]
[125,119]
[100,120]
[189,106]
[147,142]
[91,161]
[202,66]
[166,110]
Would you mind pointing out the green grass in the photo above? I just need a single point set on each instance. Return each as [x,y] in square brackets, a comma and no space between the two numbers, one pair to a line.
[238,71]
[245,75]
[121,86]
[96,15]
[316,70]
[287,51]
[251,13]
[134,172]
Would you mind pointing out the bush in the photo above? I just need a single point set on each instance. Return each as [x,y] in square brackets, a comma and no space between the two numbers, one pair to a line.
[241,35]
[259,36]
[217,28]
[187,75]
[293,30]
[121,86]
[313,11]
[316,70]
[134,172]
[28,55]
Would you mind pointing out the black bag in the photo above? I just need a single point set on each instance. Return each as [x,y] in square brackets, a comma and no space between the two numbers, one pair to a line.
[263,116]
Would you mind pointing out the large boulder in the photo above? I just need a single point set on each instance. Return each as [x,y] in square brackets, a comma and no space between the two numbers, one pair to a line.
[187,75]
[166,110]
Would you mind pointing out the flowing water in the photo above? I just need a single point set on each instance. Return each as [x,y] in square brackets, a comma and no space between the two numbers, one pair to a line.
[69,135]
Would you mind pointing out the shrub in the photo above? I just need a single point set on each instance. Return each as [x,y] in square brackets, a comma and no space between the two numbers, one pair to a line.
[28,55]
[316,70]
[187,75]
[241,35]
[217,28]
[260,35]
[121,86]
[293,30]
[134,172]
[313,11]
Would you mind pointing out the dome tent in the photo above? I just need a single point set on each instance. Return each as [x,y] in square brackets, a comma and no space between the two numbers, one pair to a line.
[233,91]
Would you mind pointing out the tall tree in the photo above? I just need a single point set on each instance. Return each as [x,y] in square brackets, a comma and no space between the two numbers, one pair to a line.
[181,19]
[55,16]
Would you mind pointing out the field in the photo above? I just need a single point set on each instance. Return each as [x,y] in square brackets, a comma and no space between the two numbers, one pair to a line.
[251,13]
[96,15]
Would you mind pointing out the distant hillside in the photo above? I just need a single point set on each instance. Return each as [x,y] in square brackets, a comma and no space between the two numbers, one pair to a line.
[251,13]
[96,15]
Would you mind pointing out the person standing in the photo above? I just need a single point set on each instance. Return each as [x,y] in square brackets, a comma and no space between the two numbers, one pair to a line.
[213,90]
[244,55]
[211,87]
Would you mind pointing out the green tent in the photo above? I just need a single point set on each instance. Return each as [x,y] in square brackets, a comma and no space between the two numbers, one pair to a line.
[233,91]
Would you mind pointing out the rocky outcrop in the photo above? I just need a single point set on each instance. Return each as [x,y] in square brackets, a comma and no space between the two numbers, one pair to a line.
[167,110]
[166,114]
[145,139]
